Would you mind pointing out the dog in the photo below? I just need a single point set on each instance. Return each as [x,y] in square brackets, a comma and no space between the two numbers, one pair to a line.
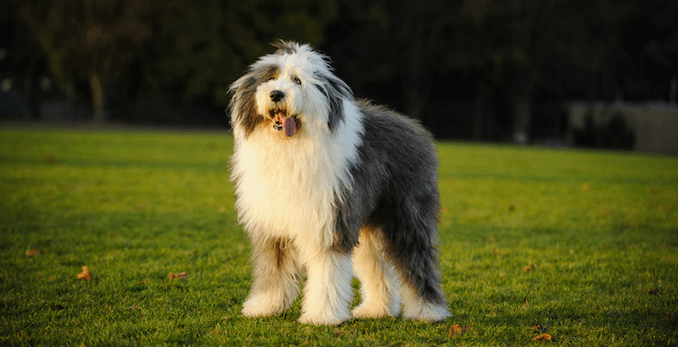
[335,186]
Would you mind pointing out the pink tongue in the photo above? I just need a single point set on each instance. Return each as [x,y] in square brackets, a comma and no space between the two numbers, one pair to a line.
[290,126]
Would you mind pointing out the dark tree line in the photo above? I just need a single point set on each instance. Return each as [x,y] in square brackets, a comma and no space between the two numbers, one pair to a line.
[475,69]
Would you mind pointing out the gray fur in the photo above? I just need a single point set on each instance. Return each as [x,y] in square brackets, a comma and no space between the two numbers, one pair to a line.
[336,91]
[243,97]
[395,191]
[284,47]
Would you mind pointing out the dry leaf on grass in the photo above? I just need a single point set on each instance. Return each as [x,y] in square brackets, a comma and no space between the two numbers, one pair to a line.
[85,273]
[57,307]
[654,291]
[456,330]
[33,251]
[542,337]
[497,251]
[181,275]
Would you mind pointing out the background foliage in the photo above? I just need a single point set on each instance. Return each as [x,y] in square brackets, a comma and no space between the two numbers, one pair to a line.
[481,69]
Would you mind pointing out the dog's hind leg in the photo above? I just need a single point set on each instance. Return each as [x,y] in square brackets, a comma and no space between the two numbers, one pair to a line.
[410,236]
[276,277]
[423,298]
[378,279]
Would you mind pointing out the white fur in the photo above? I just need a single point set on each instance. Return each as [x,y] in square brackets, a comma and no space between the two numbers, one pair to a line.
[416,308]
[286,187]
[379,280]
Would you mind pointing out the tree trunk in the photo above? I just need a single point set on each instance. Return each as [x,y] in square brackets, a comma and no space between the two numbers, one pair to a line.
[98,99]
[479,111]
[522,113]
[32,102]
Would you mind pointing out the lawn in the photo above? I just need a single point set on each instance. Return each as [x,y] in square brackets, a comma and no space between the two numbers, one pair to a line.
[580,245]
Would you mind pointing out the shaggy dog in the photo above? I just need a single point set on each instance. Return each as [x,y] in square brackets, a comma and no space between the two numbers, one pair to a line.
[335,186]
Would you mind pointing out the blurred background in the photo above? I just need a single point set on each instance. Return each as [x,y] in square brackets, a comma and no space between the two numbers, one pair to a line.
[588,73]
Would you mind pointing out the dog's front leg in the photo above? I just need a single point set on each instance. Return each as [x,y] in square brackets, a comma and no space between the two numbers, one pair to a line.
[327,292]
[276,277]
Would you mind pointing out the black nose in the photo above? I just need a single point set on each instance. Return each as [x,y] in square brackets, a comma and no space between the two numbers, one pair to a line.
[277,95]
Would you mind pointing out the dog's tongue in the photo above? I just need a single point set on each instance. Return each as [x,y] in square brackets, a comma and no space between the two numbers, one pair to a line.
[290,126]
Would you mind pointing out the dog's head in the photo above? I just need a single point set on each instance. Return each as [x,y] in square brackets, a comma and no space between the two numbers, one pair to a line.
[292,90]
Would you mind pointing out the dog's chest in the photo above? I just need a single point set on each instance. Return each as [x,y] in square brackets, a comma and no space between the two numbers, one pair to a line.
[285,188]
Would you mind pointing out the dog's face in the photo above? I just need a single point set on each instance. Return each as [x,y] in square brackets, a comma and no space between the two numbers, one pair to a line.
[290,91]
[281,99]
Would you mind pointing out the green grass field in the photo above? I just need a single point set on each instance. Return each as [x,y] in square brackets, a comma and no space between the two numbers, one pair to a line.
[584,244]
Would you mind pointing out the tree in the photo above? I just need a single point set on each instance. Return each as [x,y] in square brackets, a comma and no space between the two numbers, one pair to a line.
[94,40]
[201,49]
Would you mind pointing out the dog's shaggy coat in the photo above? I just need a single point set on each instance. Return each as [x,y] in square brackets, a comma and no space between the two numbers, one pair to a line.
[333,185]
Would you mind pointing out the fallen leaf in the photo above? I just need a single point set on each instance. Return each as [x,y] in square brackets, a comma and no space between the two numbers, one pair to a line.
[181,275]
[458,330]
[134,307]
[57,308]
[85,273]
[496,251]
[542,337]
[454,330]
[339,332]
[33,251]
[142,282]
[654,291]
[530,268]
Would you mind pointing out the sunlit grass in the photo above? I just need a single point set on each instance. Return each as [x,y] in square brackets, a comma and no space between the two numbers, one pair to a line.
[570,240]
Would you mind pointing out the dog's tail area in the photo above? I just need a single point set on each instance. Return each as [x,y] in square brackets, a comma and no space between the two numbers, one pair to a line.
[410,237]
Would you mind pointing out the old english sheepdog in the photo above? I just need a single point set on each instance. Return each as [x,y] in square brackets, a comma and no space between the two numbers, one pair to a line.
[336,186]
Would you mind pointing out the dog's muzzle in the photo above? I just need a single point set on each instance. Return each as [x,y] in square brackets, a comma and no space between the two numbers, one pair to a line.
[282,121]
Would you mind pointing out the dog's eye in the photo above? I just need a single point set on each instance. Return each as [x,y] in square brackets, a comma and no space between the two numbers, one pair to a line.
[296,80]
[270,79]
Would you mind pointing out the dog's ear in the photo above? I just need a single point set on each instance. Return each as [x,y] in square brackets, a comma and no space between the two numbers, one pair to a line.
[243,107]
[336,91]
[243,104]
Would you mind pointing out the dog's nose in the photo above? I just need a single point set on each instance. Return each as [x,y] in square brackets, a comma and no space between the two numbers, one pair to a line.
[277,95]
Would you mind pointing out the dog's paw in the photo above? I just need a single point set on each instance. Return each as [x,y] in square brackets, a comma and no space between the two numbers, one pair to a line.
[373,311]
[258,307]
[428,312]
[322,319]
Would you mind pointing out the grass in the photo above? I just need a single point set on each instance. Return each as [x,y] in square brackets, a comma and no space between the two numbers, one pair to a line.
[583,243]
